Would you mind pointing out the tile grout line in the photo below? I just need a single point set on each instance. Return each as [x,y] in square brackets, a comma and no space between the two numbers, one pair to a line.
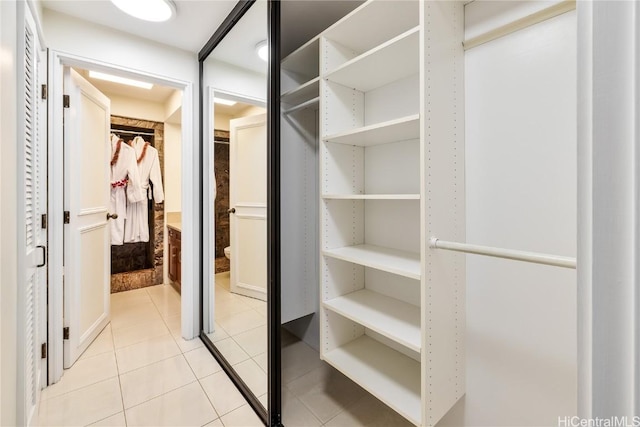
[124,412]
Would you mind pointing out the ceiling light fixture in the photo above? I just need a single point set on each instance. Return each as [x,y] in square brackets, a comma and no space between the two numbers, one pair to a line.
[224,101]
[121,80]
[147,10]
[262,49]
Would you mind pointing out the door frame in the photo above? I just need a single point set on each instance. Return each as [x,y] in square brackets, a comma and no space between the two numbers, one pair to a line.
[209,228]
[190,293]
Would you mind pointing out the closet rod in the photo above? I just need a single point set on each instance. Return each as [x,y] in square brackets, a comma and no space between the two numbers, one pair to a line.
[535,18]
[131,132]
[554,260]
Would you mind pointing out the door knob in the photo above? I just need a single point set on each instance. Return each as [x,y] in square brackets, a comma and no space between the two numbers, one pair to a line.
[111,216]
[231,210]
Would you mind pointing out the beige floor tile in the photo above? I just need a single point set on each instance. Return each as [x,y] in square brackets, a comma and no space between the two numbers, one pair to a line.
[218,334]
[83,373]
[128,298]
[229,306]
[186,406]
[241,322]
[188,345]
[224,280]
[253,376]
[202,362]
[137,333]
[231,351]
[298,359]
[215,423]
[254,341]
[116,420]
[326,392]
[294,413]
[262,311]
[254,302]
[174,323]
[134,315]
[154,380]
[102,344]
[242,417]
[264,399]
[222,393]
[82,407]
[167,305]
[261,360]
[370,412]
[138,355]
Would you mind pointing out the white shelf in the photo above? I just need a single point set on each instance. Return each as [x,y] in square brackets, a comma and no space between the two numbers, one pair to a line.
[393,60]
[371,196]
[389,375]
[304,92]
[312,103]
[305,60]
[392,318]
[402,263]
[373,23]
[381,133]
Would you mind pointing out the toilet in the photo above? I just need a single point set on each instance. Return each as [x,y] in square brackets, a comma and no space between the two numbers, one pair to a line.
[227,252]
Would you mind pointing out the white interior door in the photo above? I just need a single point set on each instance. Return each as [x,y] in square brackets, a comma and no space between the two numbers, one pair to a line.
[33,293]
[87,256]
[248,199]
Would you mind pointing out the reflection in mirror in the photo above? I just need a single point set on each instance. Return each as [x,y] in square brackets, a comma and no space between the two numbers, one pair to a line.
[235,150]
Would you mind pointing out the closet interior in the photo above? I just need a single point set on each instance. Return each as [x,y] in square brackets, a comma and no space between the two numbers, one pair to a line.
[373,118]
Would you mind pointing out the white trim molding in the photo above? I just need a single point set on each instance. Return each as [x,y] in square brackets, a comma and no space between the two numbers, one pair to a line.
[608,209]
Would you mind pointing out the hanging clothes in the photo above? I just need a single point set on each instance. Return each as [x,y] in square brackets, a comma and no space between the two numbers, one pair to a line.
[137,225]
[125,185]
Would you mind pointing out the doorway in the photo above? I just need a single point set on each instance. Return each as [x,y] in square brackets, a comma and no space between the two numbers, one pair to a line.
[155,122]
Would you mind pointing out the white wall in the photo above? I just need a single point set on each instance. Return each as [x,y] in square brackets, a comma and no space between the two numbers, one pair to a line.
[521,191]
[235,80]
[137,108]
[8,219]
[172,168]
[119,50]
[221,121]
[250,111]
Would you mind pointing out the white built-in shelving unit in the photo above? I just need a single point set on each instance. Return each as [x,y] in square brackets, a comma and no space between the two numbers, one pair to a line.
[378,95]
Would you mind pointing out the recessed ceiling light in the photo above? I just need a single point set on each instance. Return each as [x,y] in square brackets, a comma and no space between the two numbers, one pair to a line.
[262,49]
[224,101]
[121,80]
[147,10]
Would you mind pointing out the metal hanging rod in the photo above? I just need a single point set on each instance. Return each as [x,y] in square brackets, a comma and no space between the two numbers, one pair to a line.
[131,132]
[537,258]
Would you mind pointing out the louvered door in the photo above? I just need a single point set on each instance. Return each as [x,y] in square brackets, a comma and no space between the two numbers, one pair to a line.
[32,290]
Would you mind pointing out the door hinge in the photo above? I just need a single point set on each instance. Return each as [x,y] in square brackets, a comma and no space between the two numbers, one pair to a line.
[43,350]
[65,333]
[43,221]
[65,101]
[66,217]
[44,91]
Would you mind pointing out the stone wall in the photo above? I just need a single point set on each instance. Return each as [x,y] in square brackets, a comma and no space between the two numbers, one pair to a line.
[146,258]
[221,157]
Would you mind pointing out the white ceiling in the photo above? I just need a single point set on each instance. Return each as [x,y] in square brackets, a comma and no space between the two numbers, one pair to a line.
[238,47]
[156,94]
[192,27]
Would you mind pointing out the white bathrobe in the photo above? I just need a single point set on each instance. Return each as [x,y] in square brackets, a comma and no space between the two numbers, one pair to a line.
[125,184]
[137,225]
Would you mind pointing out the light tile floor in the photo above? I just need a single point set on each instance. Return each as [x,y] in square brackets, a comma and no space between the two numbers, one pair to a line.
[140,372]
